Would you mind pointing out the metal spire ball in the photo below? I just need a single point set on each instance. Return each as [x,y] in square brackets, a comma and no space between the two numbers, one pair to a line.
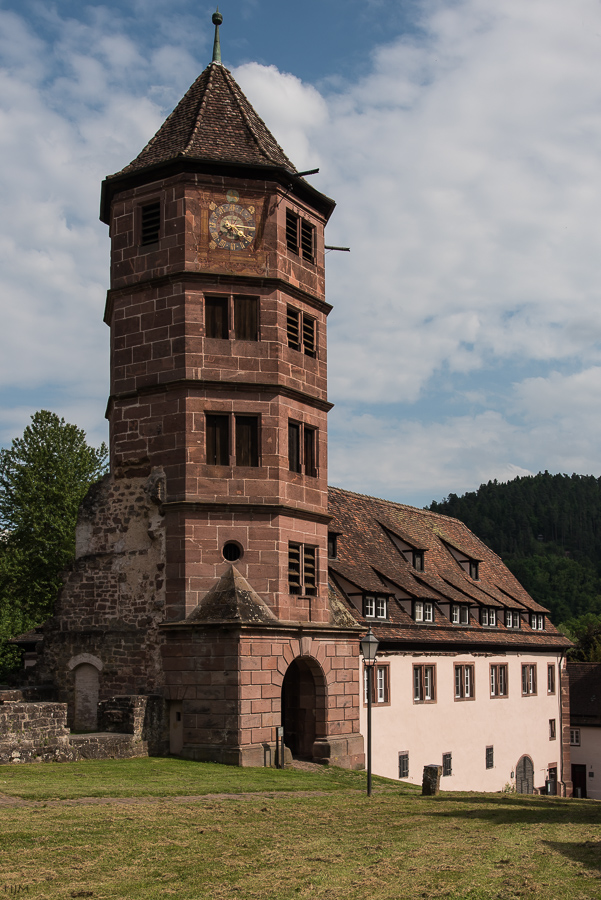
[217,19]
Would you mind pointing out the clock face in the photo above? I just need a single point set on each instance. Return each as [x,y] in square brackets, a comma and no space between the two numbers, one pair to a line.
[232,227]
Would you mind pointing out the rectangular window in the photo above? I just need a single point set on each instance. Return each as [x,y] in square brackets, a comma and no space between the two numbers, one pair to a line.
[428,611]
[474,570]
[418,560]
[247,441]
[218,440]
[246,318]
[216,317]
[301,331]
[375,606]
[537,622]
[294,447]
[293,328]
[404,765]
[332,545]
[418,610]
[302,449]
[550,678]
[302,569]
[150,223]
[492,617]
[380,684]
[464,682]
[465,615]
[490,757]
[498,681]
[460,615]
[484,616]
[528,680]
[308,240]
[455,615]
[574,737]
[292,228]
[552,730]
[424,686]
[310,452]
[447,764]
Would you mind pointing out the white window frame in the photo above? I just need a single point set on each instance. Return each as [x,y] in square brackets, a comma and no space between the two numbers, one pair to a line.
[574,737]
[428,611]
[418,610]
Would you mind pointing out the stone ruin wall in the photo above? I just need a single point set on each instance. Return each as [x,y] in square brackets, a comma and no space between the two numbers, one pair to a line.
[109,610]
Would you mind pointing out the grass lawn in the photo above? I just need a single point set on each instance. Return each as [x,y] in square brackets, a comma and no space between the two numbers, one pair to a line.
[334,844]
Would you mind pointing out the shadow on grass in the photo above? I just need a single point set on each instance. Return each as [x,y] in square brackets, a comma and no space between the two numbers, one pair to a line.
[514,809]
[585,853]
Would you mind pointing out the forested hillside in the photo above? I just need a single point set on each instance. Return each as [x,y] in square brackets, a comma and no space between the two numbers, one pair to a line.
[547,529]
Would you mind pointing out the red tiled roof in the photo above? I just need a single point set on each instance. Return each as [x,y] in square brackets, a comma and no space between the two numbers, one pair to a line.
[213,122]
[368,558]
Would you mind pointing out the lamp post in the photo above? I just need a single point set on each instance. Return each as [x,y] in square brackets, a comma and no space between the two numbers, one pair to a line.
[369,649]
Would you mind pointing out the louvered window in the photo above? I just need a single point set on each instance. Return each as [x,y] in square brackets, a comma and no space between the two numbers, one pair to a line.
[216,317]
[309,335]
[308,240]
[247,440]
[294,447]
[292,227]
[246,318]
[302,569]
[151,223]
[403,765]
[294,568]
[490,757]
[301,330]
[447,763]
[218,440]
[293,327]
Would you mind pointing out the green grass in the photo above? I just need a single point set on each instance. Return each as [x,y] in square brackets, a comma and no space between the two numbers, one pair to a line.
[338,845]
[156,777]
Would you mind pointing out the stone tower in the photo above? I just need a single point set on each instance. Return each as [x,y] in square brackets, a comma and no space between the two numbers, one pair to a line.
[218,439]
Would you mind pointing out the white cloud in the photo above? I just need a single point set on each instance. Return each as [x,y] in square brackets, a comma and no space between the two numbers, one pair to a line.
[466,170]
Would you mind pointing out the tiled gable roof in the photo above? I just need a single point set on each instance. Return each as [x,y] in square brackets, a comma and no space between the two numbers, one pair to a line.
[368,559]
[213,122]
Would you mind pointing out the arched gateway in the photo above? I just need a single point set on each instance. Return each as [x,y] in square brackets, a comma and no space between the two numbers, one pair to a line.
[303,706]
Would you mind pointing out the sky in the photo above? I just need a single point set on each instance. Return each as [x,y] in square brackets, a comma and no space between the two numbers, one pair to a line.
[461,140]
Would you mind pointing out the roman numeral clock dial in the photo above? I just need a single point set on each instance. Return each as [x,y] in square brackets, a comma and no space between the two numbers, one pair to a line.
[231,226]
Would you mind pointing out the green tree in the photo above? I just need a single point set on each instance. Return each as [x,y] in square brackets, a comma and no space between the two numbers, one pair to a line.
[44,476]
[585,631]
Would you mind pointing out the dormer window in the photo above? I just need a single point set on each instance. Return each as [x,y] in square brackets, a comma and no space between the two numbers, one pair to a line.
[460,614]
[423,611]
[332,545]
[488,616]
[512,618]
[375,606]
[418,560]
[537,622]
[474,569]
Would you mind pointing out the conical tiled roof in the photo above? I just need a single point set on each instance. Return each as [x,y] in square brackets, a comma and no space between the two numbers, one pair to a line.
[213,122]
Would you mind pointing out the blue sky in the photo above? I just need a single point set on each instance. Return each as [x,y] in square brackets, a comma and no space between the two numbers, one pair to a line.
[462,142]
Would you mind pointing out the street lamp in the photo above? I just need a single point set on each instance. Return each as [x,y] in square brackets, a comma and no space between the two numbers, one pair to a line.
[369,649]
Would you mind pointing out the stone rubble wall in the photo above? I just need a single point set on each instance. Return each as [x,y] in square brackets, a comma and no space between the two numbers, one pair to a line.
[37,732]
[113,599]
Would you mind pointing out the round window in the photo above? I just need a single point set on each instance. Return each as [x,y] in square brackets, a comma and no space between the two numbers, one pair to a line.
[232,551]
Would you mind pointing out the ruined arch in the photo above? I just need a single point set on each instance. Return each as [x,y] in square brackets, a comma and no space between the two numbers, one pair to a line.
[304,703]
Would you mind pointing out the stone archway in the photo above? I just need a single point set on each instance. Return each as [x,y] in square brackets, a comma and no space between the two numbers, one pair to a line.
[86,669]
[303,706]
[524,776]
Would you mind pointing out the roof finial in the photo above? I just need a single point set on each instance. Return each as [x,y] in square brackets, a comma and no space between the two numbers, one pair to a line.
[217,20]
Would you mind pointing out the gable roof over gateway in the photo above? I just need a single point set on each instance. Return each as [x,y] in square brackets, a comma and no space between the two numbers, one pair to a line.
[369,561]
